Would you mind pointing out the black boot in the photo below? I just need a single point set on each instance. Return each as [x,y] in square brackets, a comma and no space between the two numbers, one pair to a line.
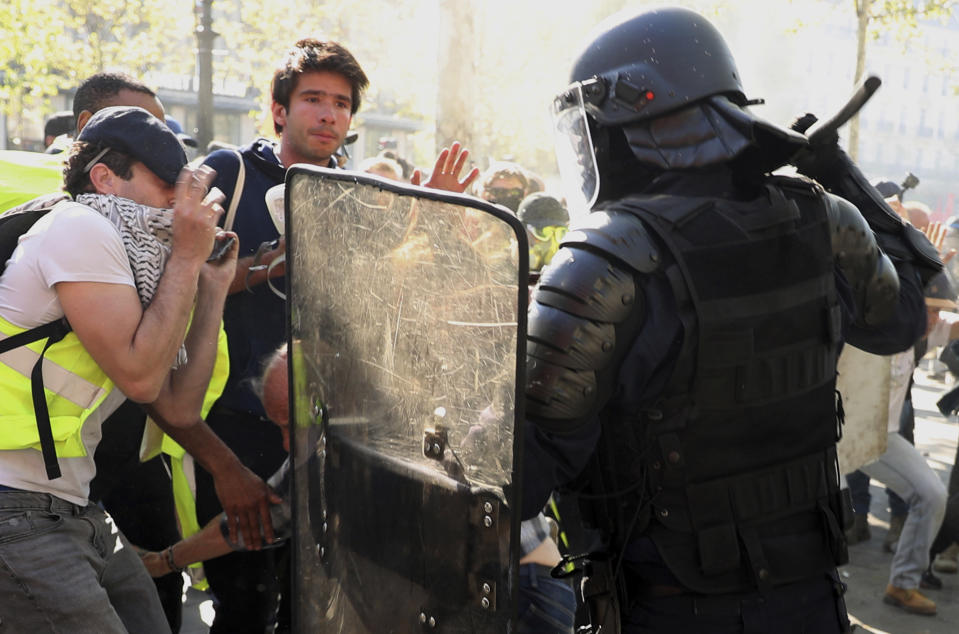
[859,532]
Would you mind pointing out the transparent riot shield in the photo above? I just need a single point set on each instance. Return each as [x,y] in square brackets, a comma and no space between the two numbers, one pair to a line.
[407,313]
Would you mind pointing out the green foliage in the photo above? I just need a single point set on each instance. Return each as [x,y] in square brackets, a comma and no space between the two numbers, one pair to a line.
[516,63]
[48,45]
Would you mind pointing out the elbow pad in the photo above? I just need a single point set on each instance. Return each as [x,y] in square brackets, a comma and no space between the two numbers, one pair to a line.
[870,273]
[900,240]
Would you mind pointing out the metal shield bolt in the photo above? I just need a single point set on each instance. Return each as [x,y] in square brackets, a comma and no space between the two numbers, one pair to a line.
[485,603]
[432,622]
[488,507]
[487,521]
[486,588]
[422,617]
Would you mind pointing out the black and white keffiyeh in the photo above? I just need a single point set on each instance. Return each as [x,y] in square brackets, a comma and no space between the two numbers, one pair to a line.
[147,234]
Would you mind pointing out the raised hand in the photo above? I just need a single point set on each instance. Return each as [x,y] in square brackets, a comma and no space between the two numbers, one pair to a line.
[446,171]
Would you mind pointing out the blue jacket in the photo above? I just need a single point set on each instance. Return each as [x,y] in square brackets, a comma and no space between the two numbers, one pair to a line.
[255,322]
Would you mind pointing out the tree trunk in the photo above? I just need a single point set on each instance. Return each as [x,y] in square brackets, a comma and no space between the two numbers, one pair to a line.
[862,27]
[204,67]
[456,92]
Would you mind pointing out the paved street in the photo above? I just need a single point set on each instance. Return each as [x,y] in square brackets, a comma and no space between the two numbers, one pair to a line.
[868,571]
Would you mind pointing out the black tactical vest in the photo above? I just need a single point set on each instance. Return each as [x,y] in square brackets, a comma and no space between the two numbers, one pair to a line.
[742,481]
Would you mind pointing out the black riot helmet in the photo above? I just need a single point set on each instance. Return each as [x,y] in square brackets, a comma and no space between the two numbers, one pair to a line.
[653,63]
[635,73]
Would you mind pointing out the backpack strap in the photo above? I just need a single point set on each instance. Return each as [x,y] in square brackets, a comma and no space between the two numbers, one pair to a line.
[53,332]
[237,193]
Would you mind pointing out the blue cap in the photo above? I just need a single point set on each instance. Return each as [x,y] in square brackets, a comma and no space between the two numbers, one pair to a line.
[185,138]
[141,136]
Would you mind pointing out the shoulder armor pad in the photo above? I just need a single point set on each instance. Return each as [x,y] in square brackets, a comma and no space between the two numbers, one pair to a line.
[582,298]
[621,235]
[588,285]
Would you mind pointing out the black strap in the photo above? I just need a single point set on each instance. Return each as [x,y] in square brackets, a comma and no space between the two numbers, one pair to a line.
[51,329]
[53,332]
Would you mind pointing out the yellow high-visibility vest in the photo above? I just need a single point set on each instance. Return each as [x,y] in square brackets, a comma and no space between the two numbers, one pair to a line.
[73,382]
[26,175]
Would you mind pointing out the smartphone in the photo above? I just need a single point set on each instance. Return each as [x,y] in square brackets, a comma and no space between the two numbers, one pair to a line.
[220,247]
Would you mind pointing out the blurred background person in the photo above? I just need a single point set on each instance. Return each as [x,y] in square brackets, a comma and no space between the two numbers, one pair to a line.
[504,183]
[58,132]
[546,220]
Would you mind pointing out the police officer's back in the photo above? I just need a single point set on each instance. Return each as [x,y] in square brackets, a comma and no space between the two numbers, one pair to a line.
[683,342]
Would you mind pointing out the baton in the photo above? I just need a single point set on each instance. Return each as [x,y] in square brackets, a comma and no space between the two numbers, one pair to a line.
[859,98]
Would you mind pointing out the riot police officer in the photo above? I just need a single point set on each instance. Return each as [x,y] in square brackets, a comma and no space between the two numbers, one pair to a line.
[682,343]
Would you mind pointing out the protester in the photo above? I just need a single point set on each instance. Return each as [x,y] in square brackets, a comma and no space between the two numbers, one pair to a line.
[504,183]
[21,181]
[683,341]
[546,221]
[381,166]
[128,301]
[56,132]
[138,493]
[904,470]
[316,90]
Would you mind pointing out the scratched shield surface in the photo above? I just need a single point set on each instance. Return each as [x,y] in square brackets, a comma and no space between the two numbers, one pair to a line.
[407,326]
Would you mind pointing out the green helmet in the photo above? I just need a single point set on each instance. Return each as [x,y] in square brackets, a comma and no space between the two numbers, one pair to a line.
[542,210]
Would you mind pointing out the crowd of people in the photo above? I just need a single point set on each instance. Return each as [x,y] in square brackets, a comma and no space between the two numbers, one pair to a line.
[692,413]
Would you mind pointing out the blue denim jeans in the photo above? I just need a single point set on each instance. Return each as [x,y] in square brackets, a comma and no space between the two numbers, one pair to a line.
[904,470]
[546,605]
[65,568]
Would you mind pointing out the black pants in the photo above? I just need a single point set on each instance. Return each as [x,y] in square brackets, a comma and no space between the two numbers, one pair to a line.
[139,497]
[807,607]
[247,586]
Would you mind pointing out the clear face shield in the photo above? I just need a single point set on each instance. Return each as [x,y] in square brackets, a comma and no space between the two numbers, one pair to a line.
[574,150]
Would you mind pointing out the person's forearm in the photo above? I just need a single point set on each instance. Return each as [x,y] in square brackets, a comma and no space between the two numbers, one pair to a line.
[162,327]
[206,544]
[202,443]
[244,279]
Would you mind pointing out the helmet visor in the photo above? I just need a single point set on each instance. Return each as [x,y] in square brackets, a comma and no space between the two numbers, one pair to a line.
[574,150]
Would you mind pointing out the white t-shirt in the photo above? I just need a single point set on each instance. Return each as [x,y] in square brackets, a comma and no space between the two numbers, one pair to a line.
[72,243]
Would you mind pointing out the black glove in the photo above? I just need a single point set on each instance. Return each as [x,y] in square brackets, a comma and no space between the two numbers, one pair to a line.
[824,161]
